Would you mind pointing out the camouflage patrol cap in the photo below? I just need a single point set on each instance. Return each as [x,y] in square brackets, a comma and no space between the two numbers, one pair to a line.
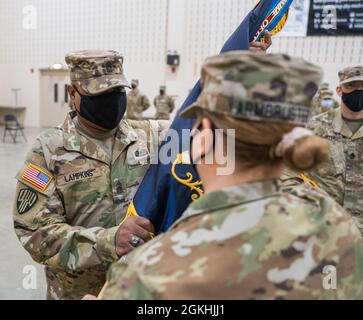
[351,74]
[324,86]
[246,85]
[97,71]
[162,87]
[326,94]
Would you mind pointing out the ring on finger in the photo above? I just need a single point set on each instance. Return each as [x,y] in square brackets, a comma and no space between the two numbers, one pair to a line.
[135,240]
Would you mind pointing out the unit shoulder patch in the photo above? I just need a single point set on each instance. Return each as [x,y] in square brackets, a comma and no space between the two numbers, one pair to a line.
[26,200]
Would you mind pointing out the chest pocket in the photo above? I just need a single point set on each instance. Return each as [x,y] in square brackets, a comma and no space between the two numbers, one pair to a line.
[132,100]
[129,173]
[336,163]
[162,102]
[138,160]
[137,156]
[337,154]
[85,189]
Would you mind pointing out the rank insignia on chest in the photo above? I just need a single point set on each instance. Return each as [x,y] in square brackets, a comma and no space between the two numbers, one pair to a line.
[26,200]
[36,177]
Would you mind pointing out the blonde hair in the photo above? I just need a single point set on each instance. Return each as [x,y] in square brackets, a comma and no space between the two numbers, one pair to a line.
[257,142]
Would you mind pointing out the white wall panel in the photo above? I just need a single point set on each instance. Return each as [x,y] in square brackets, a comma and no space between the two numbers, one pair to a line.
[135,27]
[143,30]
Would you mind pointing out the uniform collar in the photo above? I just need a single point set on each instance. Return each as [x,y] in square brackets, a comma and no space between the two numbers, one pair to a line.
[340,126]
[230,197]
[74,141]
[134,92]
[358,134]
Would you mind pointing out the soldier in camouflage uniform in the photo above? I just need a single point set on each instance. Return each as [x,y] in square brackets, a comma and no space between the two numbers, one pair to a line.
[342,176]
[79,178]
[137,102]
[164,105]
[246,239]
[324,101]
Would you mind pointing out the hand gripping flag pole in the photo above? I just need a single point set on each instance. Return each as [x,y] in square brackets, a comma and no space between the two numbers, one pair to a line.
[168,189]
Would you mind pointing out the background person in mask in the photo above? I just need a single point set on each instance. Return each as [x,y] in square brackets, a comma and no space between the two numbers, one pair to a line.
[328,102]
[137,102]
[324,101]
[245,238]
[164,105]
[79,178]
[342,176]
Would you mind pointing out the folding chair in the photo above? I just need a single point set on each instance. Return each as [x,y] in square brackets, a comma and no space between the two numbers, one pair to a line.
[12,125]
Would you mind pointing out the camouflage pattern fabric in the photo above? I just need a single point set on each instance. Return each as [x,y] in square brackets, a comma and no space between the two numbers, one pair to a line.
[245,85]
[351,74]
[164,106]
[342,176]
[70,225]
[247,242]
[137,103]
[323,94]
[251,241]
[96,71]
[324,86]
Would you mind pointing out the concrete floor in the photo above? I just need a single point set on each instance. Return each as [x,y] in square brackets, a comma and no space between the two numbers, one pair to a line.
[12,256]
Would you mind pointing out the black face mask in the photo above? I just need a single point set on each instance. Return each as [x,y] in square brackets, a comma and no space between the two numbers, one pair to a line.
[134,86]
[106,110]
[162,92]
[354,100]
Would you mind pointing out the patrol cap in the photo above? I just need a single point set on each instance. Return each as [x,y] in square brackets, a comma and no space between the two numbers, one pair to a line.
[97,71]
[162,87]
[326,94]
[324,86]
[259,87]
[135,81]
[351,74]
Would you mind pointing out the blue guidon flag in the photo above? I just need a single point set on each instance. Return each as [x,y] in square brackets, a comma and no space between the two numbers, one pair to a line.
[168,189]
[275,18]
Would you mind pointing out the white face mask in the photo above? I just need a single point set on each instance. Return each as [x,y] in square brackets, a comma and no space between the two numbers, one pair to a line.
[327,104]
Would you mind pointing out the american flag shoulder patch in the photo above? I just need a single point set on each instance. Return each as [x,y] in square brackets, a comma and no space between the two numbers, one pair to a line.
[37,177]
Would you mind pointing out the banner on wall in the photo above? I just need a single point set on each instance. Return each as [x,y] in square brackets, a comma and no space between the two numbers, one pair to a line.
[297,23]
[324,18]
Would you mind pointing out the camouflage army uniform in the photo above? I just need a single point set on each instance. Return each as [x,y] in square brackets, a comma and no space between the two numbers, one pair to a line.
[247,242]
[137,103]
[67,216]
[164,106]
[342,176]
[250,241]
[317,101]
